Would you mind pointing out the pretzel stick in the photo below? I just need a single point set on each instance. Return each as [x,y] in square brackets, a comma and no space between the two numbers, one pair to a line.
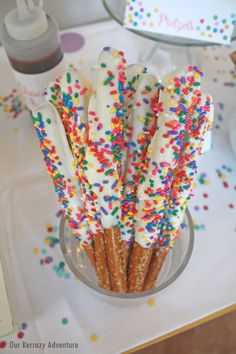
[60,166]
[104,156]
[176,104]
[142,120]
[75,95]
[182,184]
[157,260]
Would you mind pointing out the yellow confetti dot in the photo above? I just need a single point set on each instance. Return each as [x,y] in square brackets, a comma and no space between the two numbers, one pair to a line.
[156,10]
[36,250]
[151,302]
[93,337]
[15,130]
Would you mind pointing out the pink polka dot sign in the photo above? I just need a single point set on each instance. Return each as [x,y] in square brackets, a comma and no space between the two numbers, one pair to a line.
[209,21]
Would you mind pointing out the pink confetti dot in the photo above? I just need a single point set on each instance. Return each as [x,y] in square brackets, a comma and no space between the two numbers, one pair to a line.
[205,207]
[231,206]
[202,20]
[162,150]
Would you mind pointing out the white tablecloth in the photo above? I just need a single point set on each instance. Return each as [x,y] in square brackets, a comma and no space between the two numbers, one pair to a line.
[51,304]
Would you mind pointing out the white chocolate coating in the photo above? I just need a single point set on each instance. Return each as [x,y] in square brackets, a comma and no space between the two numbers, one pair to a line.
[186,170]
[142,119]
[62,160]
[163,152]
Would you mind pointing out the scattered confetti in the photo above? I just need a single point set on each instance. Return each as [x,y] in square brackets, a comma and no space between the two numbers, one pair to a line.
[3,345]
[20,335]
[24,326]
[198,227]
[13,104]
[151,302]
[72,42]
[61,271]
[202,178]
[51,241]
[93,337]
[64,321]
[15,130]
[36,250]
[59,213]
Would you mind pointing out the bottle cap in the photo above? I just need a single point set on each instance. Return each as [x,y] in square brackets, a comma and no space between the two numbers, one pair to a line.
[27,21]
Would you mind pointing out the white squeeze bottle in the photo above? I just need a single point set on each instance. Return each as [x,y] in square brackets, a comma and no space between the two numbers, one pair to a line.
[32,43]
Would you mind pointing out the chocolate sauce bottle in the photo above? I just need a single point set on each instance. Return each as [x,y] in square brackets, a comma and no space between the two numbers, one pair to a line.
[31,41]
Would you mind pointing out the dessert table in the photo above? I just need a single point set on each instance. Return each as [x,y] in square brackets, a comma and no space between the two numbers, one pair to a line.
[53,310]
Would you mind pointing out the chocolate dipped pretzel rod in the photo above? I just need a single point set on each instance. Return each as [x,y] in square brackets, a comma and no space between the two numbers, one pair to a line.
[182,184]
[72,100]
[60,166]
[75,93]
[104,156]
[141,123]
[176,105]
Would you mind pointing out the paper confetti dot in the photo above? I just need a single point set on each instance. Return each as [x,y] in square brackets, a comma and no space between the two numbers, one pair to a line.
[24,326]
[59,212]
[3,345]
[13,104]
[198,227]
[231,206]
[36,250]
[64,321]
[15,130]
[93,337]
[49,228]
[151,302]
[20,335]
[71,42]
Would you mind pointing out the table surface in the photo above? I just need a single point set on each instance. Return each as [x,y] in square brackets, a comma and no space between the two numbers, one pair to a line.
[54,306]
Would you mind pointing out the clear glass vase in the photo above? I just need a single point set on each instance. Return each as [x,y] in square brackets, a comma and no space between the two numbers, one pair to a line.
[174,264]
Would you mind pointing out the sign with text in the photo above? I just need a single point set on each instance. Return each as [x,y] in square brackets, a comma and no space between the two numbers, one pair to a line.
[206,20]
